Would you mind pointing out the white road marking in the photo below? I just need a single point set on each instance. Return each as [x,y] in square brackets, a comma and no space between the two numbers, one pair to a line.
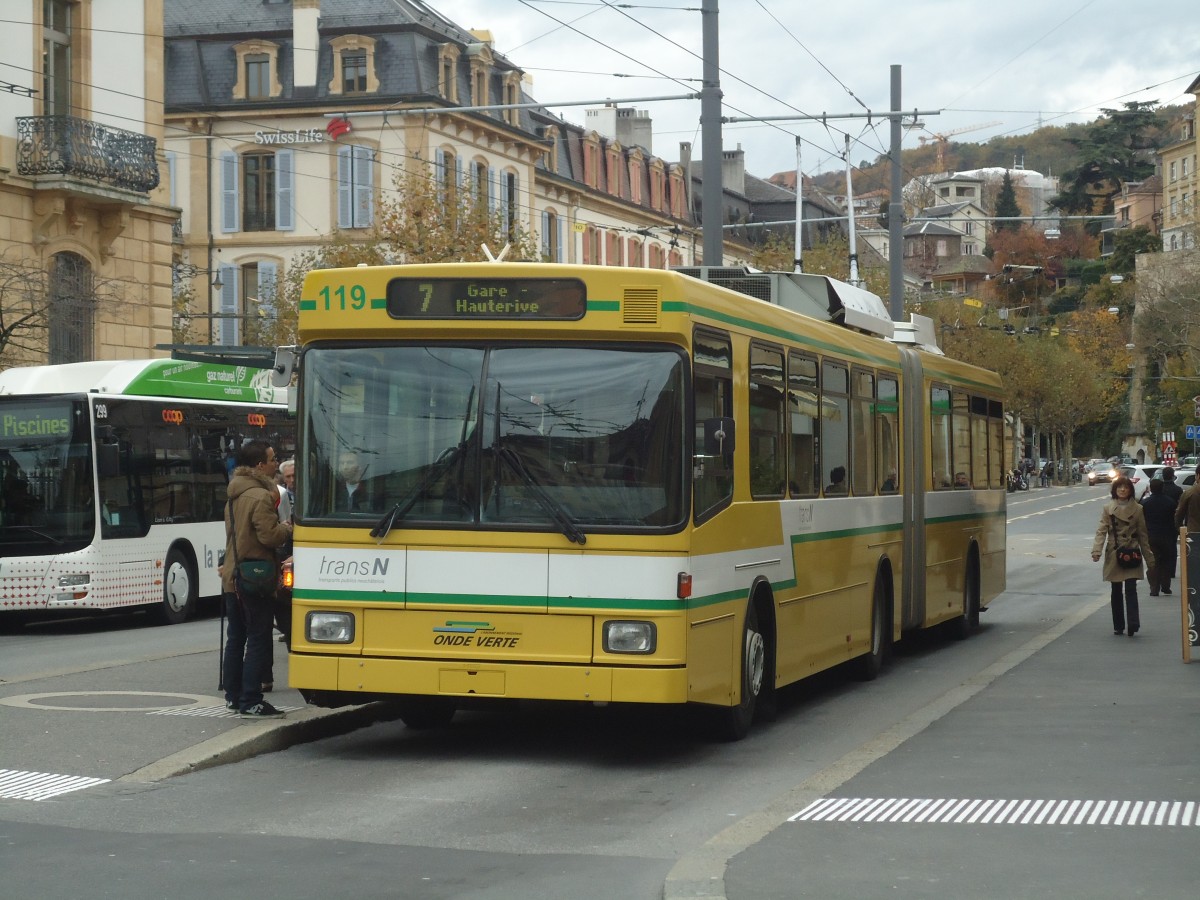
[213,712]
[18,785]
[1169,813]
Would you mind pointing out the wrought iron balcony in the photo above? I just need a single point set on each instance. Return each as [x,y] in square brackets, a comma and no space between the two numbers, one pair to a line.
[66,145]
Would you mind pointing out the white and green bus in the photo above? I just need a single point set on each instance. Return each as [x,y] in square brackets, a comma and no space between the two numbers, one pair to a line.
[112,480]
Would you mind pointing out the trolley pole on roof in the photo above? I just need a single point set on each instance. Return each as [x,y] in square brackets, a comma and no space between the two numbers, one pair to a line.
[895,213]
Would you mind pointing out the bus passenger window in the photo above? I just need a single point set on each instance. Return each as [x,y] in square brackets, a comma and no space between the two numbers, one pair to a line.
[766,423]
[887,413]
[712,475]
[804,433]
[835,423]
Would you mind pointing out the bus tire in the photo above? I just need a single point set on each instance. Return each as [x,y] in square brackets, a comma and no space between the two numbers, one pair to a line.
[733,723]
[180,588]
[420,713]
[966,624]
[870,664]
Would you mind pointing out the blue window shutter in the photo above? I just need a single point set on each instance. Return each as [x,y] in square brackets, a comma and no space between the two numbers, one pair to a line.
[505,212]
[364,186]
[345,188]
[545,235]
[458,171]
[285,217]
[439,167]
[493,177]
[559,255]
[267,289]
[229,329]
[229,192]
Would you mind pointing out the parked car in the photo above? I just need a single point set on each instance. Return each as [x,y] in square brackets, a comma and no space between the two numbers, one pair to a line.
[1185,476]
[1102,472]
[1140,476]
[1188,462]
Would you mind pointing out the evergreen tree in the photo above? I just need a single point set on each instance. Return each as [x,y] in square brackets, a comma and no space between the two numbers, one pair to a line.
[1114,150]
[1006,204]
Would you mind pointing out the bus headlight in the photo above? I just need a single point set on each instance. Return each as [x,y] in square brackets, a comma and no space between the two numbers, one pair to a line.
[630,637]
[329,628]
[73,587]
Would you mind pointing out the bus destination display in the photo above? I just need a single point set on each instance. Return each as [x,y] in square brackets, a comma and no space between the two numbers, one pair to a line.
[486,298]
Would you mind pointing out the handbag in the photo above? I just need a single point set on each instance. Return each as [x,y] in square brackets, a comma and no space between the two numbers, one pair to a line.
[254,580]
[1127,557]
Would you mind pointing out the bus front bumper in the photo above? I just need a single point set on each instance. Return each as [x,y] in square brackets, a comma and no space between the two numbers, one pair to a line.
[343,677]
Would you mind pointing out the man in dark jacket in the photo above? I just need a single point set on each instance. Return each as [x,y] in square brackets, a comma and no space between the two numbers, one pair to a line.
[252,532]
[1159,510]
[1170,488]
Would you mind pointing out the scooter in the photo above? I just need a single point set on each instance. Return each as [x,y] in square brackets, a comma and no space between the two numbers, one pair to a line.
[1017,481]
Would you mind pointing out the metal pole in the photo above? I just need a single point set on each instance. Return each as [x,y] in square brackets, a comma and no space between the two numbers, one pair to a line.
[895,214]
[850,212]
[799,212]
[710,139]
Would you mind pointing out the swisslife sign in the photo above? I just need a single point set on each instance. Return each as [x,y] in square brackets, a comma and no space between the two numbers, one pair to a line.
[334,130]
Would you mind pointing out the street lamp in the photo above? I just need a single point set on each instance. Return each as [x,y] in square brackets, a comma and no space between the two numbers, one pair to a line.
[182,270]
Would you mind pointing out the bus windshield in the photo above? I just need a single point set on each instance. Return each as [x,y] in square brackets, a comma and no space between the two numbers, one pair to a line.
[47,493]
[530,437]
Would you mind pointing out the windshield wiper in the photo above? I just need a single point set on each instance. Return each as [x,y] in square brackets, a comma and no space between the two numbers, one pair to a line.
[433,474]
[553,508]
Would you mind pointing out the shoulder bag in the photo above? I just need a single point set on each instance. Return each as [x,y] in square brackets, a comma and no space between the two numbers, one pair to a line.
[253,579]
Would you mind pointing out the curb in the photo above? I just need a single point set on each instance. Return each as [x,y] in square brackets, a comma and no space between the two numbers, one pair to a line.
[247,741]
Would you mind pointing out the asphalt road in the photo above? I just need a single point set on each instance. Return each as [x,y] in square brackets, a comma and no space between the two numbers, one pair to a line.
[850,793]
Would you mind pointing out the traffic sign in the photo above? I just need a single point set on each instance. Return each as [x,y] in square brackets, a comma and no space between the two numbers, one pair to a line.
[1189,432]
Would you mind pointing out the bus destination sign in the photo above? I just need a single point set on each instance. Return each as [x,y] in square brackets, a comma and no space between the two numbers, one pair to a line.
[486,298]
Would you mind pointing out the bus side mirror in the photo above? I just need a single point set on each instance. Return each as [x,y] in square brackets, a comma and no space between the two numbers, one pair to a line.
[285,365]
[718,437]
[108,460]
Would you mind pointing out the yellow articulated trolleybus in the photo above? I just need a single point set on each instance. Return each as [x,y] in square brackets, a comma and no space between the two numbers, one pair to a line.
[615,485]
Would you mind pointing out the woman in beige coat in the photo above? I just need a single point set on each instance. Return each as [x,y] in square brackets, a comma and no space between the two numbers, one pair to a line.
[1122,525]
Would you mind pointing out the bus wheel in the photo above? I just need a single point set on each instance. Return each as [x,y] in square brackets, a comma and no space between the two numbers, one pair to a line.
[733,723]
[968,622]
[179,589]
[869,665]
[427,712]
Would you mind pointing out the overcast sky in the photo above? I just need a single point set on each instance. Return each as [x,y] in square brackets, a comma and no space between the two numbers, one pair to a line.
[1006,65]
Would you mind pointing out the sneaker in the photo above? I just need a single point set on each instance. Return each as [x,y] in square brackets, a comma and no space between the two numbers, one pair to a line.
[263,710]
[229,704]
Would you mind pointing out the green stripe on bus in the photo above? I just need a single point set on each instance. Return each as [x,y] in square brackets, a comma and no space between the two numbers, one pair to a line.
[603,305]
[308,305]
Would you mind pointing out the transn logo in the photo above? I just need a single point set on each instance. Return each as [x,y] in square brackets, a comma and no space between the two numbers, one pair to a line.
[256,419]
[172,416]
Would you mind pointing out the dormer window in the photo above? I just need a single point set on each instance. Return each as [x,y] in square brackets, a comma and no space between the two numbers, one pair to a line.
[448,71]
[353,65]
[258,77]
[512,94]
[258,71]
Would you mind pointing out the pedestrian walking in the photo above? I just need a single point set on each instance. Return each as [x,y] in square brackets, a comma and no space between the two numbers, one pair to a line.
[1122,528]
[1187,513]
[249,578]
[1159,509]
[1170,486]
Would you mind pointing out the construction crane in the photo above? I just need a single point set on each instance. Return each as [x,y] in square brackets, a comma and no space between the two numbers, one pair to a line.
[943,138]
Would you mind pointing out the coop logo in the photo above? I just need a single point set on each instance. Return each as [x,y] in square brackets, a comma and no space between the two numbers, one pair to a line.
[256,419]
[172,416]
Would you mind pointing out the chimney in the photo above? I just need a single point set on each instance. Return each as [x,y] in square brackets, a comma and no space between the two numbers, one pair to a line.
[733,169]
[306,43]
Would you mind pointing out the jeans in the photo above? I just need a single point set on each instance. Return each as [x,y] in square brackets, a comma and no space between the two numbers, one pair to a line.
[1127,611]
[248,651]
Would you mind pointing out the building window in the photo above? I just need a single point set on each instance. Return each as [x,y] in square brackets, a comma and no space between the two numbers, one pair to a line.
[552,237]
[448,71]
[257,70]
[1174,170]
[354,73]
[248,303]
[258,77]
[512,94]
[510,202]
[968,249]
[257,191]
[71,306]
[56,58]
[353,65]
[968,227]
[448,172]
